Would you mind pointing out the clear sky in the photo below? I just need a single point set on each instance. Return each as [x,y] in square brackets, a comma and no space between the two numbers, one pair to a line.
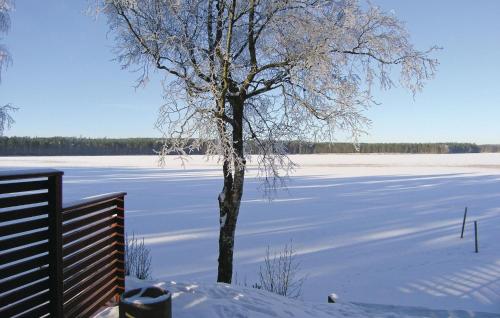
[66,84]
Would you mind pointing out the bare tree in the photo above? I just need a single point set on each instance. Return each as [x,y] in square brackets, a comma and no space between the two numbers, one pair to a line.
[279,273]
[241,77]
[137,258]
[6,119]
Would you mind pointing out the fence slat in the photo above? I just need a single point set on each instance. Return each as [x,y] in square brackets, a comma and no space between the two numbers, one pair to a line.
[25,305]
[84,253]
[25,226]
[23,186]
[73,225]
[24,266]
[24,279]
[88,241]
[28,174]
[25,239]
[91,201]
[79,266]
[88,281]
[69,215]
[22,253]
[23,200]
[14,215]
[23,293]
[36,312]
[78,234]
[88,270]
[92,294]
[97,301]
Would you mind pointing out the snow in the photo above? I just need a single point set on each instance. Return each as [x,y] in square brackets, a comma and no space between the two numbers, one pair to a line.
[192,300]
[139,298]
[333,297]
[381,229]
[223,220]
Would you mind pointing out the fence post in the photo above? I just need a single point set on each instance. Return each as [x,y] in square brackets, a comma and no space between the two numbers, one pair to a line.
[120,241]
[463,223]
[55,244]
[475,237]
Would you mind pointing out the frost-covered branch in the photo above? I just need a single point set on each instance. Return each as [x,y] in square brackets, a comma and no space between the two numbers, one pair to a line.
[242,77]
[5,7]
[6,119]
[302,69]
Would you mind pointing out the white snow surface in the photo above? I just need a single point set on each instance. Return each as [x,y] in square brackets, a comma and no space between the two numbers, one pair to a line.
[228,301]
[375,228]
[139,298]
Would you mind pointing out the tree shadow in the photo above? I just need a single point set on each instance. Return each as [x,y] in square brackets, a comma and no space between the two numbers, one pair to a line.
[374,239]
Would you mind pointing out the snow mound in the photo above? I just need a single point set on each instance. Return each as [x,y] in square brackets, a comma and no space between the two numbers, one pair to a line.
[192,300]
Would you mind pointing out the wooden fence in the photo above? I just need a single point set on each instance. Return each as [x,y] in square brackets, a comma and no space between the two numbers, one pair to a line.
[57,260]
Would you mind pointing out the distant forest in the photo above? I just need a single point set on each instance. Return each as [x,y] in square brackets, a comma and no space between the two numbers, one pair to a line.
[72,146]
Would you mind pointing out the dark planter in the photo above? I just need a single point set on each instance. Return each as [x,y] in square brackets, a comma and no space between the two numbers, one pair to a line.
[149,302]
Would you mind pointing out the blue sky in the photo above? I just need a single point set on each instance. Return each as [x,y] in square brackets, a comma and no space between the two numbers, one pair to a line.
[66,84]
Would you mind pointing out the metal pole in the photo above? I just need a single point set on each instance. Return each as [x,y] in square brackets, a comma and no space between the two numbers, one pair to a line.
[475,232]
[463,223]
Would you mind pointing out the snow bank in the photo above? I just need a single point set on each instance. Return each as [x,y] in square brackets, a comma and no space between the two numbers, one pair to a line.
[228,301]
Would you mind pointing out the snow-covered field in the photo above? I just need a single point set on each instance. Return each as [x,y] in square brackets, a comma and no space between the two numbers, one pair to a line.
[378,229]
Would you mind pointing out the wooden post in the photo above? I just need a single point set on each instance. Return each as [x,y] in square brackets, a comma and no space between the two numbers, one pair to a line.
[463,223]
[120,241]
[475,235]
[55,245]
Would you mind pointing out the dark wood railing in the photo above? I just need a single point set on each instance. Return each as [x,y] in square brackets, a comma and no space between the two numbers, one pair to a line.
[93,253]
[57,260]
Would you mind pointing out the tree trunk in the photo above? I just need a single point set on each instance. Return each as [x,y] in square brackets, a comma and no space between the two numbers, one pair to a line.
[226,240]
[229,207]
[230,198]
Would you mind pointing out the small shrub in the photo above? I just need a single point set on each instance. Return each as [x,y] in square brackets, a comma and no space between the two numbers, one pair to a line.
[278,274]
[137,258]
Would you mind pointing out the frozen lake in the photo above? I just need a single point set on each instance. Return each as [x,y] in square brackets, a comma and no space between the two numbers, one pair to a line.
[371,228]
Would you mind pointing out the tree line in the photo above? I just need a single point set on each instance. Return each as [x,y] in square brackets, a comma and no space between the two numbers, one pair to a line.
[436,148]
[78,146]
